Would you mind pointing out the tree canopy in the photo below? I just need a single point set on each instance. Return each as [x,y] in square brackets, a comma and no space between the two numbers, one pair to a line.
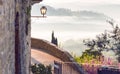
[109,40]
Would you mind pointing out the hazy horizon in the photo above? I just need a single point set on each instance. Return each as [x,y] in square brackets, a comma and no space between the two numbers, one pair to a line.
[108,7]
[71,30]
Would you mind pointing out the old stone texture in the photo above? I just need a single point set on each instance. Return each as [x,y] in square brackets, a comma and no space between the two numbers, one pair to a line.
[7,37]
[0,2]
[8,11]
[23,8]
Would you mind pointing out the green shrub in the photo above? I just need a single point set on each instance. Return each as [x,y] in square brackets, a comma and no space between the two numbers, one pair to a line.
[41,69]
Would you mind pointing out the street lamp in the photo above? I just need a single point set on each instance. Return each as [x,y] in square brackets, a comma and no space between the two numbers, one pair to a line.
[43,10]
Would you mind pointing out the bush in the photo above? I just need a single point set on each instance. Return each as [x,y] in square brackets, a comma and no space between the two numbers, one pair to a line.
[41,69]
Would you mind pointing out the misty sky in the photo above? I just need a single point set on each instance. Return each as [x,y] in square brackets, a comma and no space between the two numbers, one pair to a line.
[111,8]
[57,2]
[67,29]
[77,4]
[108,7]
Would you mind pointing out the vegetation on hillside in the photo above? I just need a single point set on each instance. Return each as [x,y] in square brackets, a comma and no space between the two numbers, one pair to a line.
[109,40]
[92,58]
[88,56]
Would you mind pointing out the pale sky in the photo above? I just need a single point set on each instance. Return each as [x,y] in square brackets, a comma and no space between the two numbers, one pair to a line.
[81,1]
[42,28]
[101,6]
[90,5]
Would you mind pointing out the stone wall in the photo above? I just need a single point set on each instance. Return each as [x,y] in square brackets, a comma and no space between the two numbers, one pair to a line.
[23,8]
[55,51]
[15,41]
[7,40]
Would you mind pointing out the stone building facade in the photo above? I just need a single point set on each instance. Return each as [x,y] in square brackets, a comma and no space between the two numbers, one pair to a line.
[15,36]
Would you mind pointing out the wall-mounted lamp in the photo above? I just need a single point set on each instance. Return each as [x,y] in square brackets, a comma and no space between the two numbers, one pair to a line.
[43,10]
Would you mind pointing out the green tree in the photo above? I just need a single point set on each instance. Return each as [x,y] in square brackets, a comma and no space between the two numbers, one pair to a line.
[54,39]
[87,56]
[109,40]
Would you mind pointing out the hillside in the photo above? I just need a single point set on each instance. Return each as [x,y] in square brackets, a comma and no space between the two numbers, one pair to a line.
[51,11]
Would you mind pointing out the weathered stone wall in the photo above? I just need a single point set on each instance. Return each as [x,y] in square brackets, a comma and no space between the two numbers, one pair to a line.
[7,40]
[14,37]
[23,8]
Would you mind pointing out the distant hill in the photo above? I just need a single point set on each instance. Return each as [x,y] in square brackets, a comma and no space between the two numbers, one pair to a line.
[77,46]
[51,11]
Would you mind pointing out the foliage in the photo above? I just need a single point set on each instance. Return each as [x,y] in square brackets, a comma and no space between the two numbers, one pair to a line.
[92,59]
[54,39]
[100,43]
[109,40]
[41,69]
[88,56]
